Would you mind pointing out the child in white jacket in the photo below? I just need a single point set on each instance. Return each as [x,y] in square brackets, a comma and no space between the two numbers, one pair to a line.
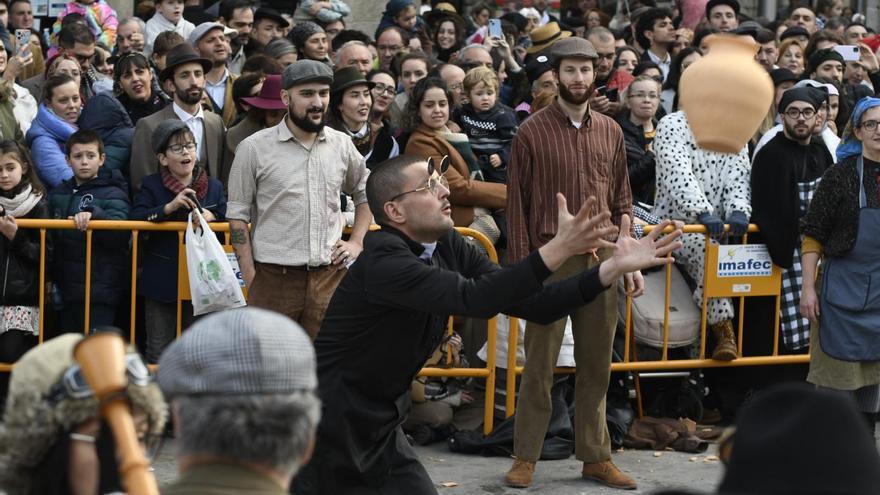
[168,17]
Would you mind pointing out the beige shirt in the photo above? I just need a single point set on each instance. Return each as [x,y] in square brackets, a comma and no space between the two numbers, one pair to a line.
[291,193]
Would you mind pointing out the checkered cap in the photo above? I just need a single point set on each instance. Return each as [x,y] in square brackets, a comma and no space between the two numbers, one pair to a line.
[240,351]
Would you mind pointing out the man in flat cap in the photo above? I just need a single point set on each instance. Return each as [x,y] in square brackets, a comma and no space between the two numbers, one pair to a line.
[286,181]
[572,148]
[785,174]
[242,388]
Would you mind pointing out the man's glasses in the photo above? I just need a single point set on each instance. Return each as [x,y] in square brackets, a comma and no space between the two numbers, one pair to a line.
[794,113]
[869,125]
[605,56]
[389,48]
[178,149]
[432,184]
[84,58]
[380,88]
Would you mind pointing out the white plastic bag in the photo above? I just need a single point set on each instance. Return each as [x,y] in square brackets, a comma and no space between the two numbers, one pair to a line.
[212,281]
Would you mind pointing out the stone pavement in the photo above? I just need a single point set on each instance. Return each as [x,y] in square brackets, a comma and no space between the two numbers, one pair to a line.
[475,475]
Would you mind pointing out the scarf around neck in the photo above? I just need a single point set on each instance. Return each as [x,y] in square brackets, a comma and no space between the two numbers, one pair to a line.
[22,203]
[199,182]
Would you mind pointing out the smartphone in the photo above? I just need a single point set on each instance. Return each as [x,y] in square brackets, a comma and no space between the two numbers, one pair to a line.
[601,90]
[611,94]
[850,53]
[2,211]
[23,41]
[495,29]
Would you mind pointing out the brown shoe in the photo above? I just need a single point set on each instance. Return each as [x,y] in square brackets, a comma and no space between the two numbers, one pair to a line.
[608,474]
[725,341]
[520,474]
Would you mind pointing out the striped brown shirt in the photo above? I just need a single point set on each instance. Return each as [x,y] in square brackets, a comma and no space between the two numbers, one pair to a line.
[549,155]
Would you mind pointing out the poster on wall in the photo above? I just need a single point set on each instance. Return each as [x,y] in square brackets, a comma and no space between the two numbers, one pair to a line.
[55,7]
[40,8]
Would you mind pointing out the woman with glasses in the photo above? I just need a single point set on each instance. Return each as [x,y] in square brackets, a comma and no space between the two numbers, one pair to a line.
[475,203]
[385,145]
[640,102]
[842,228]
[54,440]
[180,186]
[136,88]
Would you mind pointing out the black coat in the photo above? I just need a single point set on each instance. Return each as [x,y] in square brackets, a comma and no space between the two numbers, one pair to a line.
[640,162]
[20,259]
[160,250]
[777,169]
[383,322]
[106,197]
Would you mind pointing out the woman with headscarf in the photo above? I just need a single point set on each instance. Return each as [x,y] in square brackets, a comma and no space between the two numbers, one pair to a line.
[310,41]
[842,227]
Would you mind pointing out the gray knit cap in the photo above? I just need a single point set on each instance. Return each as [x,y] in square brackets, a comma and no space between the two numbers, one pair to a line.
[302,31]
[279,47]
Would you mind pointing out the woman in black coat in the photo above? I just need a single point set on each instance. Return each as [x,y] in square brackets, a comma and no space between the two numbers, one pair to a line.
[641,100]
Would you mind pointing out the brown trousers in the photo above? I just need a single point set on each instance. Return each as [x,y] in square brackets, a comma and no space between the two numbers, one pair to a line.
[593,327]
[300,295]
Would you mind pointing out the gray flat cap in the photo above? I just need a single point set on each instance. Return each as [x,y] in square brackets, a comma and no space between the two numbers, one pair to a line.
[306,71]
[164,131]
[239,351]
[202,29]
[573,48]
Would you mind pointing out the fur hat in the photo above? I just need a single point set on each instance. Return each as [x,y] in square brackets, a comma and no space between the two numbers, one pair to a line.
[32,423]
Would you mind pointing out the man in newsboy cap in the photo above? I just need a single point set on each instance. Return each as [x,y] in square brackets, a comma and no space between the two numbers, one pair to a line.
[286,181]
[241,385]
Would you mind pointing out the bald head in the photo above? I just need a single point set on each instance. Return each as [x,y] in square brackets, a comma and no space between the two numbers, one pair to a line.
[478,54]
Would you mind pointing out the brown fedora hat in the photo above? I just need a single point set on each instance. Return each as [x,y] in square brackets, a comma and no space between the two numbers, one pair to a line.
[544,36]
[183,53]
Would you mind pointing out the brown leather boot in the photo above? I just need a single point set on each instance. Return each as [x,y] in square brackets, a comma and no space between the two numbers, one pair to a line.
[520,474]
[608,474]
[725,341]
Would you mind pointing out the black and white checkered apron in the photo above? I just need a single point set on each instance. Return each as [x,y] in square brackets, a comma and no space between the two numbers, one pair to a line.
[795,328]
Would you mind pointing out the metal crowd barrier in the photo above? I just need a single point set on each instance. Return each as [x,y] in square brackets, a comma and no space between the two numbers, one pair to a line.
[714,286]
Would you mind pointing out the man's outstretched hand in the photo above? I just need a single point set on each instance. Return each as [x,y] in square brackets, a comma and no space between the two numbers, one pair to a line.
[631,255]
[577,234]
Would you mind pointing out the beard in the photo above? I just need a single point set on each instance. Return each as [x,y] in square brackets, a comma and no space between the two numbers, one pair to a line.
[185,96]
[798,133]
[569,97]
[304,122]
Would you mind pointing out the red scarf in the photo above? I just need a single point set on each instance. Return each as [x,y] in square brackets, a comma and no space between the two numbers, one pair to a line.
[199,182]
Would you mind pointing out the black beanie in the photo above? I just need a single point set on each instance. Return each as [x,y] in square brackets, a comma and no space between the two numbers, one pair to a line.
[820,56]
[814,96]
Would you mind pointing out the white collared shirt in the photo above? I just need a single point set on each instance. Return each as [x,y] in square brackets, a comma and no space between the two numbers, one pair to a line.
[196,124]
[663,64]
[217,92]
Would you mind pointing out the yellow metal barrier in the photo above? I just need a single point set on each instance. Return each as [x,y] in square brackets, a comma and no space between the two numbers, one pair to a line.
[714,287]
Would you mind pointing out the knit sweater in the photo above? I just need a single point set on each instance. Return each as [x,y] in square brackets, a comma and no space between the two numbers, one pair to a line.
[490,132]
[833,217]
[100,17]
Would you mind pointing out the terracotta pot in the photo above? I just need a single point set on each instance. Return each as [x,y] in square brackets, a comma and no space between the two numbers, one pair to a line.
[725,95]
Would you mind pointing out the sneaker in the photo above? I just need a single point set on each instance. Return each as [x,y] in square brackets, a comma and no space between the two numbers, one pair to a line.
[725,341]
[608,474]
[520,474]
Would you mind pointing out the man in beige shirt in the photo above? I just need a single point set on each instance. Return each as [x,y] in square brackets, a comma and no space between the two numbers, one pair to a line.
[286,181]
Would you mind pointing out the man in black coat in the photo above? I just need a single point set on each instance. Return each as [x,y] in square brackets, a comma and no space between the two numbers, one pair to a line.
[390,313]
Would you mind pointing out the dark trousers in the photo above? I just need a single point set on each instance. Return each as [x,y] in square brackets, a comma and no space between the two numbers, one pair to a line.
[73,316]
[13,345]
[402,473]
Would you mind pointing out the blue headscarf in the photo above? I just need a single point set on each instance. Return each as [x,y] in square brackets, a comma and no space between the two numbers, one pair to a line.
[851,146]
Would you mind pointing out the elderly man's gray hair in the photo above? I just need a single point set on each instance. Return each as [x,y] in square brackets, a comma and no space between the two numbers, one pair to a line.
[142,27]
[347,45]
[472,46]
[271,430]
